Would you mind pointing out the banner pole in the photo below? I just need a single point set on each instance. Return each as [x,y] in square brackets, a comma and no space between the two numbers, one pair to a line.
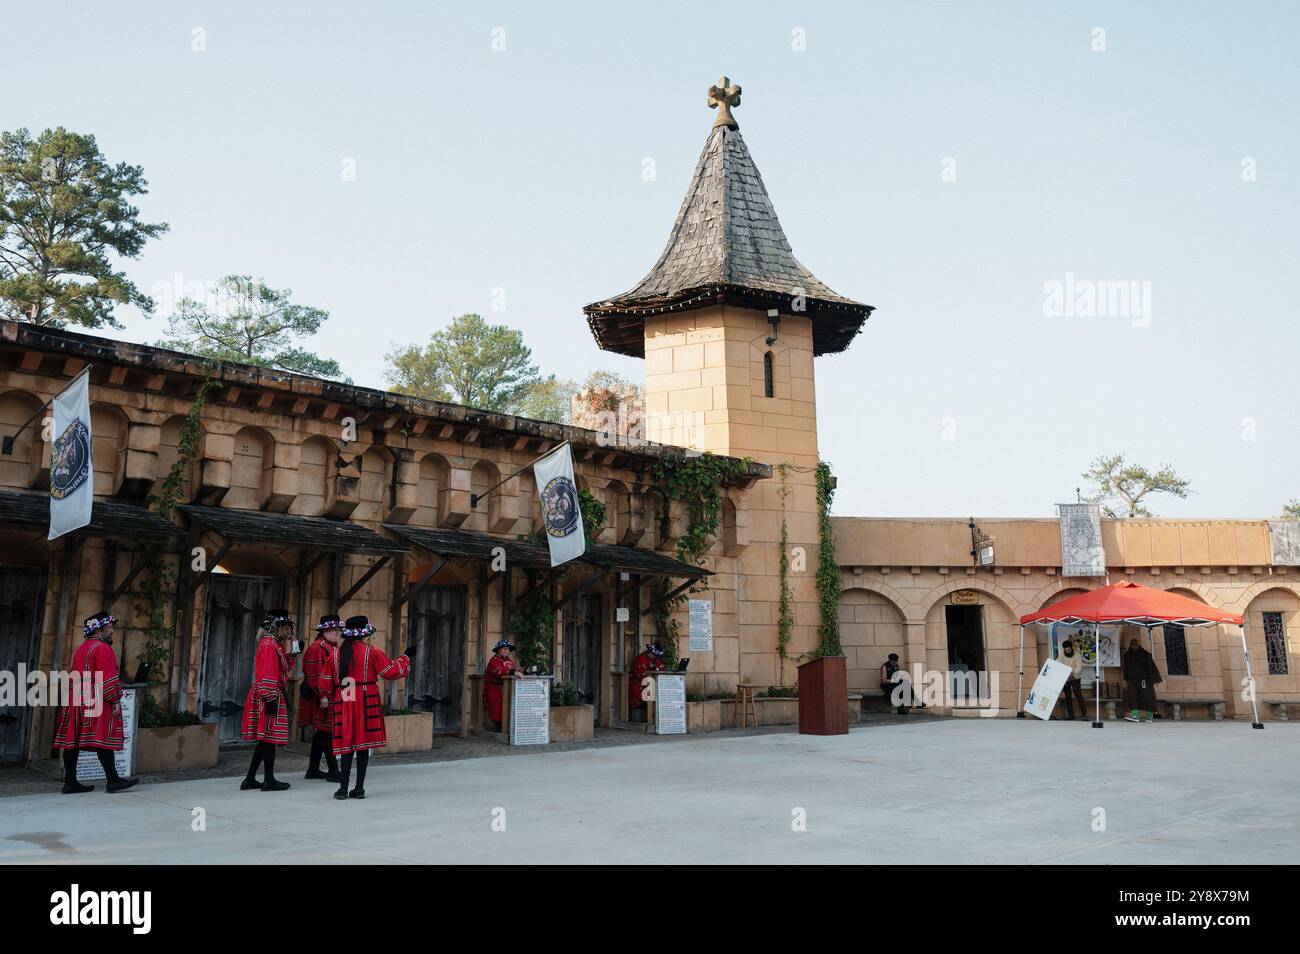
[1096,673]
[1020,679]
[1250,680]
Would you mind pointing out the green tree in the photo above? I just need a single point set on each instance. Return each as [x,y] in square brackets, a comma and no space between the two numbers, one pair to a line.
[1129,484]
[249,322]
[1292,510]
[550,399]
[469,362]
[63,210]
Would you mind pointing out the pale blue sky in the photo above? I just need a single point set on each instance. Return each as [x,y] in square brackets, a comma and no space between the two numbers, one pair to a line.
[522,170]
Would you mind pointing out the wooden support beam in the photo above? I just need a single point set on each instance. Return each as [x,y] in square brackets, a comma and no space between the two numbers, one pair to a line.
[265,399]
[300,406]
[117,375]
[365,578]
[669,598]
[420,584]
[31,361]
[420,425]
[155,382]
[213,562]
[331,411]
[584,588]
[122,587]
[72,367]
[232,395]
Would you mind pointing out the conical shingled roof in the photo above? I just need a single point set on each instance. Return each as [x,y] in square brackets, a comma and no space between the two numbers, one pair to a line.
[727,245]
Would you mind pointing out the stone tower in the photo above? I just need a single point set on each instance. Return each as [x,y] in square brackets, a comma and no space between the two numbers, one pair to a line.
[729,322]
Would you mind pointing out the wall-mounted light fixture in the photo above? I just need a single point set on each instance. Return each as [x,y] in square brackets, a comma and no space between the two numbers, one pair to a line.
[774,317]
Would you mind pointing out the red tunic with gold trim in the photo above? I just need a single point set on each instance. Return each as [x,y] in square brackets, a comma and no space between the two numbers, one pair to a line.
[358,714]
[493,691]
[317,673]
[270,684]
[93,720]
[642,666]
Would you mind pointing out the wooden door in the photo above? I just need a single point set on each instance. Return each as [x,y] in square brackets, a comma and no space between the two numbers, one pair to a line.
[438,626]
[236,607]
[582,640]
[22,596]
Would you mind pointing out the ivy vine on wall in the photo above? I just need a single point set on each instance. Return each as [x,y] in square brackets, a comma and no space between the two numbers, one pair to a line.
[160,567]
[785,611]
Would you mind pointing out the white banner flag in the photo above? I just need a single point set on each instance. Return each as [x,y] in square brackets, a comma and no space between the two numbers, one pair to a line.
[561,515]
[72,472]
[1082,553]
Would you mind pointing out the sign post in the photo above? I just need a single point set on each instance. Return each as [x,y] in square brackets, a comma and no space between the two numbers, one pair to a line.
[670,703]
[530,710]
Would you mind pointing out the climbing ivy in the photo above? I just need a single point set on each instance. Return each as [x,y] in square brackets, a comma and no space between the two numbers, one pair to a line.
[532,627]
[593,515]
[785,614]
[160,569]
[829,586]
[696,482]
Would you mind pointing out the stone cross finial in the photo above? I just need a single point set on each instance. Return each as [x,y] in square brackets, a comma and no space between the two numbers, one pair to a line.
[722,97]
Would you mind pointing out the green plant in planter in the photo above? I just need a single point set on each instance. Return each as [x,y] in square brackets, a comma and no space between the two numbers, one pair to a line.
[829,586]
[565,694]
[156,717]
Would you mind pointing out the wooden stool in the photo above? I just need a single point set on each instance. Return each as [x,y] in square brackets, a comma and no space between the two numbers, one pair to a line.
[744,706]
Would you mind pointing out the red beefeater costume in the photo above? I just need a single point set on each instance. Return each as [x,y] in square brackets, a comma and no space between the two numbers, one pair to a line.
[318,673]
[270,683]
[87,722]
[644,664]
[493,690]
[358,722]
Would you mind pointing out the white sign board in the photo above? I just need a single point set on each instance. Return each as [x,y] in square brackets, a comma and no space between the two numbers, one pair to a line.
[530,710]
[701,626]
[1048,685]
[622,614]
[1081,550]
[670,703]
[88,761]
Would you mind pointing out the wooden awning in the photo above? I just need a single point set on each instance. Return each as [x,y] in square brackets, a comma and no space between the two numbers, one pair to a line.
[108,518]
[308,533]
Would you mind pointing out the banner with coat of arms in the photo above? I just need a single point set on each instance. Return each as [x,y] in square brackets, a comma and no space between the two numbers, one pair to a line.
[72,470]
[1082,553]
[561,515]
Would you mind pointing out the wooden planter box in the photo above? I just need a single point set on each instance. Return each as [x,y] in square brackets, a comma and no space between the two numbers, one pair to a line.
[408,733]
[572,723]
[176,747]
[704,716]
[824,696]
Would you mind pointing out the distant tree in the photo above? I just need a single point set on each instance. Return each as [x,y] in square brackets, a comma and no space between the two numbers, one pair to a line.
[469,362]
[1129,484]
[249,322]
[1292,510]
[550,399]
[63,209]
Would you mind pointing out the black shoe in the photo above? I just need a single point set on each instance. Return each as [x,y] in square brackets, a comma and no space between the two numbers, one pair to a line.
[120,785]
[316,773]
[357,793]
[333,776]
[248,784]
[341,794]
[274,785]
[76,788]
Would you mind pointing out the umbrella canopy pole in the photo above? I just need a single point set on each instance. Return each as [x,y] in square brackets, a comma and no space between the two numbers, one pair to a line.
[1096,678]
[1250,681]
[1020,680]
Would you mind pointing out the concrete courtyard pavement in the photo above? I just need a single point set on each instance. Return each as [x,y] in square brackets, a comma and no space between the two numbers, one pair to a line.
[970,791]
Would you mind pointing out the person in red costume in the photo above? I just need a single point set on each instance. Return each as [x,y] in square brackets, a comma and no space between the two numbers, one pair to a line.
[498,667]
[650,659]
[357,705]
[93,717]
[316,690]
[266,709]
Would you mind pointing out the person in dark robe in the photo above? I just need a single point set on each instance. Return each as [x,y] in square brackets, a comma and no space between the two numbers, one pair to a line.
[1141,678]
[650,659]
[317,688]
[498,667]
[357,705]
[92,719]
[266,708]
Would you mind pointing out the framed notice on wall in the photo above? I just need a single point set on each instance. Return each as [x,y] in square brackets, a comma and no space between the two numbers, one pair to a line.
[701,626]
[88,762]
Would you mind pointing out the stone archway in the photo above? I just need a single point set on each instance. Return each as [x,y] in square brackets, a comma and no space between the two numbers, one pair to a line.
[871,627]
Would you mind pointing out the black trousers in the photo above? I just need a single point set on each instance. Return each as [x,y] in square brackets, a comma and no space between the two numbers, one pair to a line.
[106,762]
[1075,687]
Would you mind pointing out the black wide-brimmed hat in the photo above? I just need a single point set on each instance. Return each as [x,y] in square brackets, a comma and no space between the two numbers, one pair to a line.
[503,642]
[93,624]
[656,649]
[329,621]
[358,627]
[277,617]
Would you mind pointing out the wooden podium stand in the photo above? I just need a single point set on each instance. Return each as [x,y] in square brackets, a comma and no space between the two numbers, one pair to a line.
[824,696]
